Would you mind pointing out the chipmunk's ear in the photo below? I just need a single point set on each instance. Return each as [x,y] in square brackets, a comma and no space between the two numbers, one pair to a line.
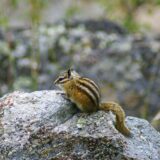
[69,72]
[72,73]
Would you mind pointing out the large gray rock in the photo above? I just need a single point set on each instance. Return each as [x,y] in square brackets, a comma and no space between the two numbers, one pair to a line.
[43,125]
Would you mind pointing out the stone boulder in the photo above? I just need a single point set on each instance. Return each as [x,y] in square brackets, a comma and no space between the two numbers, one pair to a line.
[44,125]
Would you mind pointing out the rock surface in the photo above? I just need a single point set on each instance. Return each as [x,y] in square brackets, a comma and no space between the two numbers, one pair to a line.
[43,125]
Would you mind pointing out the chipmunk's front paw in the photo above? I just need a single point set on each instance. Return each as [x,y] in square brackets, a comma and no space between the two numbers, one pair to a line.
[63,94]
[60,93]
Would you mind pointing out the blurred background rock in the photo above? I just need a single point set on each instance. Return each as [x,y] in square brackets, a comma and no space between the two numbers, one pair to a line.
[116,43]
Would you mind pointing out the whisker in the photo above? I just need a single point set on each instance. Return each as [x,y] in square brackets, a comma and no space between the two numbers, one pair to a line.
[51,86]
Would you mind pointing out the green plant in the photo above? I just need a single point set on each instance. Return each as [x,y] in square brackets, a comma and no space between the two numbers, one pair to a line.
[124,11]
[34,10]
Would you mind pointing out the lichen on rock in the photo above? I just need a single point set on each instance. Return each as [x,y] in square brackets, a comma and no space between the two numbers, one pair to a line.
[43,125]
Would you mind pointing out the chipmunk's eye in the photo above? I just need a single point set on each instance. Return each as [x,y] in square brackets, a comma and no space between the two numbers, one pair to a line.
[61,79]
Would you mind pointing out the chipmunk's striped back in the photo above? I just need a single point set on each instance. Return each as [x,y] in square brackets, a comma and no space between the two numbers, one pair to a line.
[89,88]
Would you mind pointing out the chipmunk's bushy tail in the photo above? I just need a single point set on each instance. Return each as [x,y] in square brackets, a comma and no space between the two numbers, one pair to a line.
[120,116]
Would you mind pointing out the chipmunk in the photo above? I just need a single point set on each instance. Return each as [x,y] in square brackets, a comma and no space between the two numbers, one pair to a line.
[86,95]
